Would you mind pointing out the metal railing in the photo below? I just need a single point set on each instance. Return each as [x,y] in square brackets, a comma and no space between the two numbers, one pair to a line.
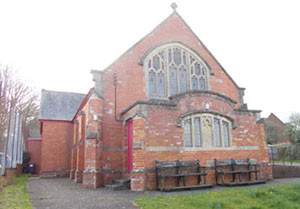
[284,154]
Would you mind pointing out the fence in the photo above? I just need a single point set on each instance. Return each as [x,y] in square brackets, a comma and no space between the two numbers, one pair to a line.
[13,153]
[284,154]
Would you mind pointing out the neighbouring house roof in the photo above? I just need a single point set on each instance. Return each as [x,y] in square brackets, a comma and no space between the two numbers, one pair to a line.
[60,106]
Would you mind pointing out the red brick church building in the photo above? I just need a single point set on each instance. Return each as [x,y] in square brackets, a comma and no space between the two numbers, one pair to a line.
[167,98]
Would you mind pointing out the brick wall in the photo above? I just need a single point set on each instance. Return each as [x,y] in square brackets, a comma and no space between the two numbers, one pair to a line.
[161,139]
[57,137]
[34,147]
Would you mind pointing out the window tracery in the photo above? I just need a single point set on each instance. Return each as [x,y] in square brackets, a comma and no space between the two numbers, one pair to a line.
[206,130]
[175,69]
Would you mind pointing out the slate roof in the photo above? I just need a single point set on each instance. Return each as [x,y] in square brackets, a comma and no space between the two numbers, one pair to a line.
[59,105]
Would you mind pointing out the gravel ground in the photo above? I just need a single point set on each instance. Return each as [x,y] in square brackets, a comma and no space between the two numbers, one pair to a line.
[63,193]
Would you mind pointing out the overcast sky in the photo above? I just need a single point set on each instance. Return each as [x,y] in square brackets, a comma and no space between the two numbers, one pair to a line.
[54,44]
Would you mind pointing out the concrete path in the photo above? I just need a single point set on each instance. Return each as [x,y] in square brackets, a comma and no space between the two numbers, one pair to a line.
[63,193]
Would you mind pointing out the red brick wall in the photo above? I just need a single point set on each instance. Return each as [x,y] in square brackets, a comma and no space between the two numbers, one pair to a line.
[34,148]
[57,138]
[130,74]
[159,129]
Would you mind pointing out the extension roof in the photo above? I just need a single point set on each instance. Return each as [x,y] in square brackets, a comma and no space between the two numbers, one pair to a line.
[59,106]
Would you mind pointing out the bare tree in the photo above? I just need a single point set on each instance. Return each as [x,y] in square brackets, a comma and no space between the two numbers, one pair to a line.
[15,95]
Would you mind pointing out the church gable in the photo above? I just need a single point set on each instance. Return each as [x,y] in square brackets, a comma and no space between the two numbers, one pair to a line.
[171,33]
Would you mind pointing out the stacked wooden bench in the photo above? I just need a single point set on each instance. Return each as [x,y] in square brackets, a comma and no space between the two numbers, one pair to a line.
[234,169]
[180,170]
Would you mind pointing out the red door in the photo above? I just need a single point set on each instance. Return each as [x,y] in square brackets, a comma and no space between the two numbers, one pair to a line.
[130,144]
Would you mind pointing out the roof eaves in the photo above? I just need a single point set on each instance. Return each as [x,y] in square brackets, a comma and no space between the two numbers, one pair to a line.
[84,101]
[142,39]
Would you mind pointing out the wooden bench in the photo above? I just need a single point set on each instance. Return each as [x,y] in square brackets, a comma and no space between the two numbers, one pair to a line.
[180,170]
[235,168]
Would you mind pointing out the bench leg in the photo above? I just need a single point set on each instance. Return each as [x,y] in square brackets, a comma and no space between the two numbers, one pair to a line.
[205,180]
[162,183]
[223,180]
[184,180]
[250,176]
[240,177]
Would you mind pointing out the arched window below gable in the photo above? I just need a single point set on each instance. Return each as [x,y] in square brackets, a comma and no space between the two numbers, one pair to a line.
[206,130]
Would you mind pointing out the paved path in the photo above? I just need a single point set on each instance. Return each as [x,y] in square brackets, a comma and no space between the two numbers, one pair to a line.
[63,193]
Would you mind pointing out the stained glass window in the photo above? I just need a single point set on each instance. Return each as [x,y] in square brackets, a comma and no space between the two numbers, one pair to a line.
[202,84]
[206,130]
[174,69]
[170,56]
[156,64]
[183,81]
[194,83]
[226,134]
[187,133]
[152,83]
[177,56]
[173,80]
[197,134]
[197,68]
[161,84]
[217,132]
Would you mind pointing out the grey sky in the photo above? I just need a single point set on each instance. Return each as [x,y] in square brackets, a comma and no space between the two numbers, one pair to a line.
[54,44]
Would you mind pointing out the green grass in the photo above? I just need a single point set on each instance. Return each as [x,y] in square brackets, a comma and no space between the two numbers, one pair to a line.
[15,195]
[273,197]
[286,161]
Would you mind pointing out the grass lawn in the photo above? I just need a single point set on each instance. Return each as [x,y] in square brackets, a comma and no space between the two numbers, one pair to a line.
[287,161]
[3,181]
[273,197]
[15,195]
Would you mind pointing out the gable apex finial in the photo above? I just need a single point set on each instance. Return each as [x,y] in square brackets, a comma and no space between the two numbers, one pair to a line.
[174,6]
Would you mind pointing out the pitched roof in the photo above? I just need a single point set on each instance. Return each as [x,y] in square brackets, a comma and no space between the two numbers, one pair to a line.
[272,115]
[60,106]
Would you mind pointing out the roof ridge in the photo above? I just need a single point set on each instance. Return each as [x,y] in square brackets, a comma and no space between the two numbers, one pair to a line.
[62,92]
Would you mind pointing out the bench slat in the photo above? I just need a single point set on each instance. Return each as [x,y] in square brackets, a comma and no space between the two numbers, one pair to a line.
[180,170]
[236,167]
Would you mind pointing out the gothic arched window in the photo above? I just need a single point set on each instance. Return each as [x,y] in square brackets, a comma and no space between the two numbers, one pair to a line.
[173,69]
[206,130]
